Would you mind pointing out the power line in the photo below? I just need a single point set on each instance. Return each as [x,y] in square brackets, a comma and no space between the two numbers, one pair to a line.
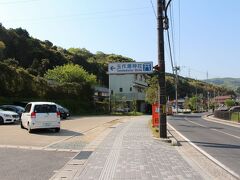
[153,9]
[179,30]
[173,35]
[170,50]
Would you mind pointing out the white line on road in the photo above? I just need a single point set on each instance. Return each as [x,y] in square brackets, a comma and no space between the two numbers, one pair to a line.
[38,148]
[226,133]
[213,129]
[205,153]
[219,121]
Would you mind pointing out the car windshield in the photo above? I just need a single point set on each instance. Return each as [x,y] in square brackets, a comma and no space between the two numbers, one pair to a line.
[20,108]
[45,108]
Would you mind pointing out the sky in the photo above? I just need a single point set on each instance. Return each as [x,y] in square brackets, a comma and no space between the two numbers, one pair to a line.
[204,34]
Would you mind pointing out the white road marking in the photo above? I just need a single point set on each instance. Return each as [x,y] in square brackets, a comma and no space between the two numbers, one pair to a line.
[205,153]
[38,148]
[213,129]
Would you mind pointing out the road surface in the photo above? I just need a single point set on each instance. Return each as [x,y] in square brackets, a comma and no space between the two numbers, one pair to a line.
[220,141]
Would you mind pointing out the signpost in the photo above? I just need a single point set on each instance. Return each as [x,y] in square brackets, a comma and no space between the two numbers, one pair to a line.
[130,68]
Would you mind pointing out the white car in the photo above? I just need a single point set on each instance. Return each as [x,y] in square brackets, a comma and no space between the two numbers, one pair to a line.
[8,117]
[41,115]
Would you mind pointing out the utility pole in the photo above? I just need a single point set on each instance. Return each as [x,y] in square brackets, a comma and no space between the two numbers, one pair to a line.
[176,69]
[207,95]
[208,99]
[162,24]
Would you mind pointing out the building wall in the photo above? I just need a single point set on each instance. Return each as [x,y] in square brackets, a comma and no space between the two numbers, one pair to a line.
[121,81]
[132,88]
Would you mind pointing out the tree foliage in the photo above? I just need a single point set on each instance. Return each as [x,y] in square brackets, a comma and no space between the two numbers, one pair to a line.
[229,102]
[152,90]
[70,73]
[26,62]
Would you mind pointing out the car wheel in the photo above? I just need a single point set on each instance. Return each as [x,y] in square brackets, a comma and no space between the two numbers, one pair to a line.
[29,129]
[22,127]
[1,120]
[57,130]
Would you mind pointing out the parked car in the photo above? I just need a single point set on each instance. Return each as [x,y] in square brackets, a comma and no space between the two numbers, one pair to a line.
[123,110]
[222,108]
[64,112]
[187,110]
[17,109]
[235,109]
[8,117]
[41,115]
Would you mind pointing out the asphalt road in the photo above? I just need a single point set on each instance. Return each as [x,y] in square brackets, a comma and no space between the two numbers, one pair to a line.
[220,141]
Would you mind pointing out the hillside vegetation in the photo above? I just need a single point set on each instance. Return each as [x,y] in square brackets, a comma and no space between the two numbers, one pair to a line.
[32,69]
[232,83]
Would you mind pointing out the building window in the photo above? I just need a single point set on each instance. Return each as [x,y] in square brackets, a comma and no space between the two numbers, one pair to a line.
[120,89]
[130,88]
[111,92]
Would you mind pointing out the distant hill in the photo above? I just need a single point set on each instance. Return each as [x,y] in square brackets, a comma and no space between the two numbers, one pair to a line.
[24,60]
[232,83]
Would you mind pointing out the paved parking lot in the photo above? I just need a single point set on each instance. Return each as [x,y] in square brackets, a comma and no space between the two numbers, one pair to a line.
[13,135]
[40,154]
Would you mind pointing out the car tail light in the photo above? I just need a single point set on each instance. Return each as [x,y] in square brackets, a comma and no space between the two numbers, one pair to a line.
[58,114]
[33,115]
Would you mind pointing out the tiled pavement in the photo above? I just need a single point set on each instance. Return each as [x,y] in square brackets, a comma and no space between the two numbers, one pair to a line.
[130,152]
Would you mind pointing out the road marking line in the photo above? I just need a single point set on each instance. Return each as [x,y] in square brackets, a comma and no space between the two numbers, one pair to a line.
[226,133]
[38,148]
[219,121]
[206,154]
[213,129]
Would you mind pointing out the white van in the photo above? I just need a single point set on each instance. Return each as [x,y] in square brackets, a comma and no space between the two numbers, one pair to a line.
[39,115]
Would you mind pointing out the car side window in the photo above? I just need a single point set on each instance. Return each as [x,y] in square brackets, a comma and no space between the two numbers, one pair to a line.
[28,108]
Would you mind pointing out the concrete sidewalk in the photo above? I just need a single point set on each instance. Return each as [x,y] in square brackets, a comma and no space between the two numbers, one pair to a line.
[128,151]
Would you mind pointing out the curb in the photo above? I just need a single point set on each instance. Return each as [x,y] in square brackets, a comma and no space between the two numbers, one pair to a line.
[213,119]
[206,154]
[170,139]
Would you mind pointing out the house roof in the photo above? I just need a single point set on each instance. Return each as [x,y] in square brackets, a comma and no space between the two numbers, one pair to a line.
[222,97]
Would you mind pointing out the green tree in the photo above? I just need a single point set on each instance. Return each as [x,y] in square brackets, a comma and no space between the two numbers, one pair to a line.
[70,73]
[11,62]
[194,102]
[229,102]
[238,90]
[152,90]
[82,52]
[2,47]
